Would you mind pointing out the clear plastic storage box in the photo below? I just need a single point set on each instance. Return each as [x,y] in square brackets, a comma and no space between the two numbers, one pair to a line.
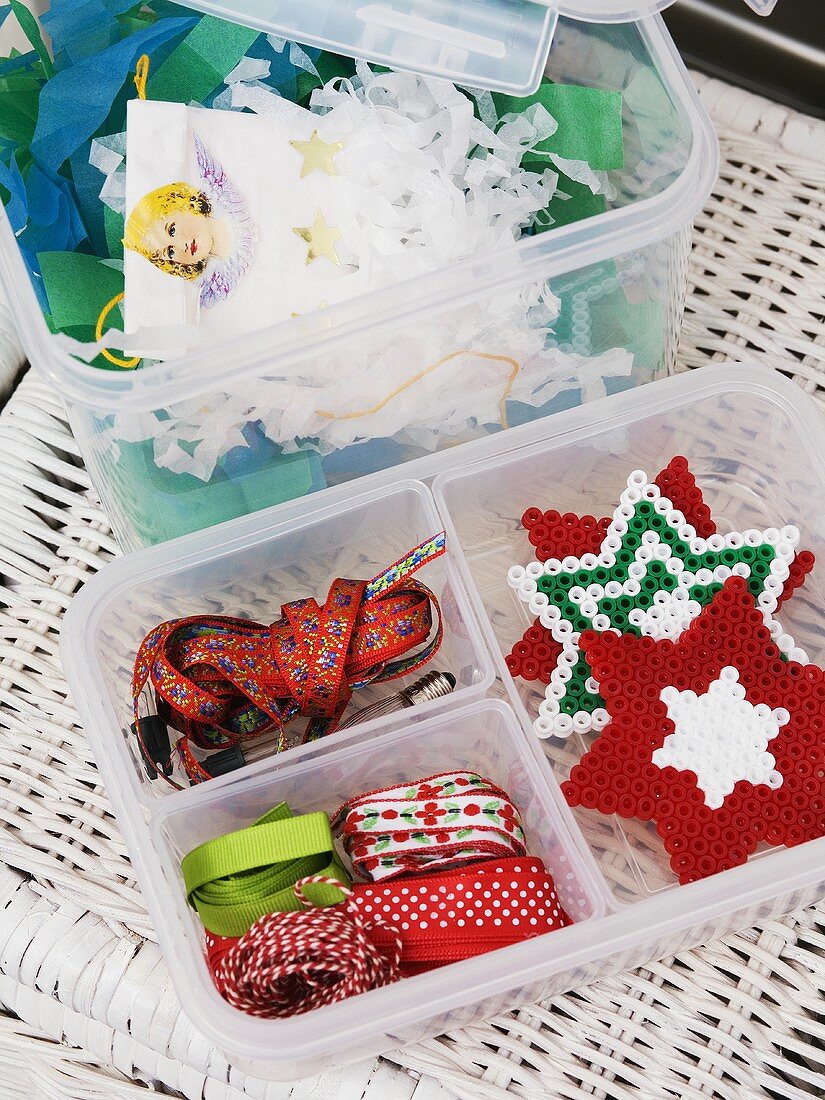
[619,278]
[254,568]
[756,446]
[496,44]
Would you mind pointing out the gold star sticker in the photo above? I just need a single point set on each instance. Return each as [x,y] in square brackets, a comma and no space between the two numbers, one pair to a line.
[318,154]
[321,239]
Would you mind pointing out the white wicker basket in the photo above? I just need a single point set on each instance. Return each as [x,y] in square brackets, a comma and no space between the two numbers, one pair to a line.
[736,1020]
[12,359]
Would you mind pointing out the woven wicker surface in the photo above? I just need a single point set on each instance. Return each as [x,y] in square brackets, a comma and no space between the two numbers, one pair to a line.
[11,354]
[736,1019]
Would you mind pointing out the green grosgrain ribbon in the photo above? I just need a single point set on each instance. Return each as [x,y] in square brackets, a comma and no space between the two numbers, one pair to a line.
[235,879]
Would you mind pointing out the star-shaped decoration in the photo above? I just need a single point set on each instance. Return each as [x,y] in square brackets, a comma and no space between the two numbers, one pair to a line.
[320,239]
[555,535]
[319,155]
[652,576]
[720,736]
[534,655]
[715,737]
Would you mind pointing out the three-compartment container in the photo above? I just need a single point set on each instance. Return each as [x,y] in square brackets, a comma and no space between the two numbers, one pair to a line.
[755,444]
[164,453]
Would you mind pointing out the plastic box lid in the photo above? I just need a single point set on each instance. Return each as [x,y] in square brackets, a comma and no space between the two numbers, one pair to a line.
[501,45]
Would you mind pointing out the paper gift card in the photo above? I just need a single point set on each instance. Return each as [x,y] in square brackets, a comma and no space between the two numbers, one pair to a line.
[233,222]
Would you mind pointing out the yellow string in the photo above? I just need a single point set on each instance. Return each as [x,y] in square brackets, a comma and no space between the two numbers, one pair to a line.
[104,313]
[142,75]
[516,367]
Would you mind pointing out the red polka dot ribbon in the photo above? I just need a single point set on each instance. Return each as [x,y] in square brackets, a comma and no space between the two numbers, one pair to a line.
[459,914]
[220,681]
[289,963]
[436,822]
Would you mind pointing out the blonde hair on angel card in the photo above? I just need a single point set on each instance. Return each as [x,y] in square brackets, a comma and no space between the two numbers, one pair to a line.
[172,198]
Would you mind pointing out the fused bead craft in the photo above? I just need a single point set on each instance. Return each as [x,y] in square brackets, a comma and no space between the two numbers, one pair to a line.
[556,536]
[534,655]
[651,577]
[715,736]
[720,736]
[800,567]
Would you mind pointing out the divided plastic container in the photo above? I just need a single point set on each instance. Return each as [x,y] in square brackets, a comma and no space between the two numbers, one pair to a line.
[757,447]
[260,563]
[619,279]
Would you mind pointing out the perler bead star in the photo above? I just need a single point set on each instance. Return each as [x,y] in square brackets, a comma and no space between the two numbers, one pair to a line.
[554,535]
[534,655]
[715,737]
[652,577]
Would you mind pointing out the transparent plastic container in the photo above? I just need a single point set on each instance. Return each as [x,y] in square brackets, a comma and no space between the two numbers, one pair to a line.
[249,571]
[497,44]
[757,447]
[619,277]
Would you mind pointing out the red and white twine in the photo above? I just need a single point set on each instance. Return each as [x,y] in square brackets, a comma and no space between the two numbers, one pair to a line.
[290,963]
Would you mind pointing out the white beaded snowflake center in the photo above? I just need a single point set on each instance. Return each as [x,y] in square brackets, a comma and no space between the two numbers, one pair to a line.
[721,737]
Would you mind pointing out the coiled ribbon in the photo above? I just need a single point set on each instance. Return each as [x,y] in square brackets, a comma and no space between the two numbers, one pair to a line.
[241,876]
[220,681]
[436,822]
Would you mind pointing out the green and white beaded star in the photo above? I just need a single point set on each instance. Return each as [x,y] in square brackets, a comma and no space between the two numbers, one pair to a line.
[652,576]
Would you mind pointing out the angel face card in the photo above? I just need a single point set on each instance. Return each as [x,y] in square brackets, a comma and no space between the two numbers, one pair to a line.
[201,234]
[233,222]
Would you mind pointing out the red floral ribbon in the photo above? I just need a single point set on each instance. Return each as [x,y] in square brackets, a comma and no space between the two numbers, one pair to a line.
[436,822]
[220,681]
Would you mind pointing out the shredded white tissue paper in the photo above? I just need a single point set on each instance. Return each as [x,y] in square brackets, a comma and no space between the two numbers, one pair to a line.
[431,184]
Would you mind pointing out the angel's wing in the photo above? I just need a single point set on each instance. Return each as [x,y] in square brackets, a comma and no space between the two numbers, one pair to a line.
[222,276]
[218,186]
[216,284]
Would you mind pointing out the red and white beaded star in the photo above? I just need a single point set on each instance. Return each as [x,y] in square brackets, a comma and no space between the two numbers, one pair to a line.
[536,653]
[714,736]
